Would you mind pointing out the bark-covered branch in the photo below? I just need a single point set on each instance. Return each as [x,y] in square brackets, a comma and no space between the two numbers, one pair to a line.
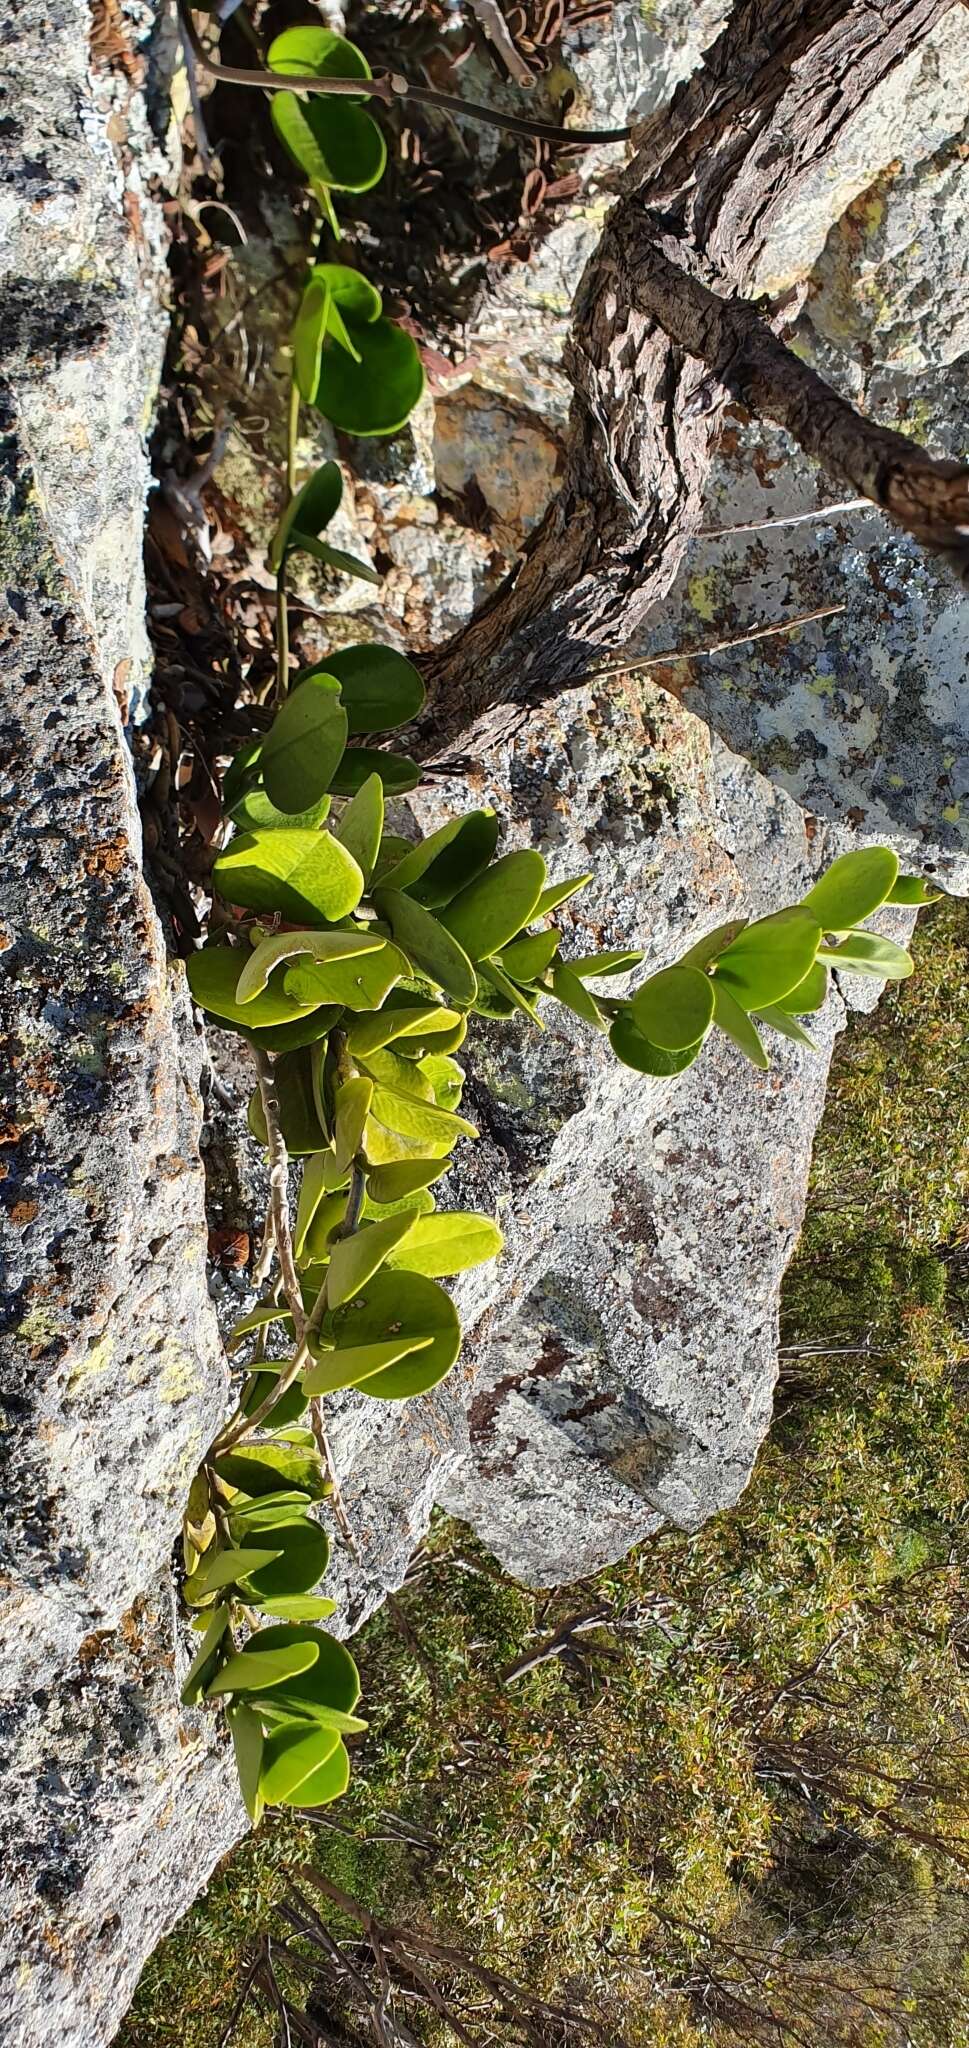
[712,174]
[926,496]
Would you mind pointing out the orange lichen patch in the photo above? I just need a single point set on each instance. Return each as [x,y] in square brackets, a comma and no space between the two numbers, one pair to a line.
[109,858]
[24,1212]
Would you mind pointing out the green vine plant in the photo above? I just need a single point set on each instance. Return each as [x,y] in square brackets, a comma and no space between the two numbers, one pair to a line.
[350,958]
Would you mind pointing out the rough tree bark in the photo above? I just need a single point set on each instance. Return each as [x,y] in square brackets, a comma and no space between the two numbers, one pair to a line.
[663,339]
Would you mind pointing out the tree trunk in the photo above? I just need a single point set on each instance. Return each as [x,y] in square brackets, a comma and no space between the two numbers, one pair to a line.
[660,345]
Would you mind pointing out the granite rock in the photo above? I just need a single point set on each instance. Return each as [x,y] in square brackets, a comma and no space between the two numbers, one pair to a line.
[113,1374]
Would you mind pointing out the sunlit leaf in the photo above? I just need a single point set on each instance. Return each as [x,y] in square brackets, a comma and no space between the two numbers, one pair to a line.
[305,743]
[494,907]
[307,877]
[855,884]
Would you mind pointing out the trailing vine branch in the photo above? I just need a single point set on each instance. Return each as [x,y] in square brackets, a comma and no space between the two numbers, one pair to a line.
[353,985]
[389,87]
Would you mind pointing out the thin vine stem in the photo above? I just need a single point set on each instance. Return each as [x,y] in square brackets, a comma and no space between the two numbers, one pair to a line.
[292,436]
[279,1188]
[389,87]
[243,1425]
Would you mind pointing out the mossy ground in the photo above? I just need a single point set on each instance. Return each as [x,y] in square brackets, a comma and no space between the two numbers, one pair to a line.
[745,1816]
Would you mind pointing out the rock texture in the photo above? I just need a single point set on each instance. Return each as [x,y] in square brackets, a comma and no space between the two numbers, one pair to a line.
[620,1363]
[112,1371]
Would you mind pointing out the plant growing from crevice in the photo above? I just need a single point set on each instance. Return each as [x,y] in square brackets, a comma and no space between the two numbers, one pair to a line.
[351,958]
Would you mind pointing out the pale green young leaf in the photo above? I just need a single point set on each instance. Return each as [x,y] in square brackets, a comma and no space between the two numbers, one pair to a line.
[320,947]
[304,876]
[448,1242]
[354,1260]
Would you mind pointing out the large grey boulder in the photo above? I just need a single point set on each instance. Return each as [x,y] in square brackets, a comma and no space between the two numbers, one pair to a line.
[112,1374]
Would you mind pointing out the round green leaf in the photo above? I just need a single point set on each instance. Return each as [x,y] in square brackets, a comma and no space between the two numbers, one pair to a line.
[330,1679]
[855,884]
[357,984]
[213,976]
[387,1067]
[412,1022]
[305,1553]
[809,994]
[305,744]
[447,1242]
[333,141]
[634,1050]
[290,1756]
[433,949]
[496,905]
[321,947]
[381,688]
[378,393]
[327,1783]
[404,1177]
[308,1030]
[527,958]
[767,959]
[255,809]
[421,1121]
[268,1468]
[402,1304]
[674,1008]
[446,1078]
[312,51]
[353,294]
[307,877]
